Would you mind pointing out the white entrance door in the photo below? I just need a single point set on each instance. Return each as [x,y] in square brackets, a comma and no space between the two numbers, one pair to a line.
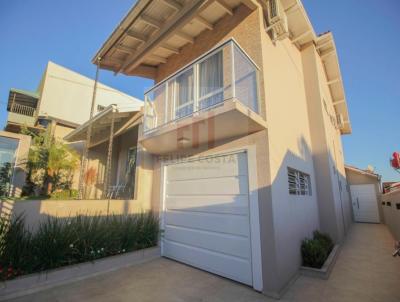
[365,204]
[206,215]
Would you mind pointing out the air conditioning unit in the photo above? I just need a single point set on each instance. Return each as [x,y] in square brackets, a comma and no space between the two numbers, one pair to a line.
[340,121]
[277,20]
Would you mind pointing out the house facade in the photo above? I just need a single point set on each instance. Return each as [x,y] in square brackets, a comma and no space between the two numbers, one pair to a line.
[62,99]
[239,142]
[62,102]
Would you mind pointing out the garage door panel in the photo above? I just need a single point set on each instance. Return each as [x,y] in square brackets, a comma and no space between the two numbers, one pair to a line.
[230,185]
[237,246]
[221,264]
[224,204]
[221,223]
[366,216]
[206,215]
[212,167]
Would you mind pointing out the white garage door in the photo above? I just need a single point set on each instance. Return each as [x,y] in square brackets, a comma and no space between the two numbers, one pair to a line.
[365,204]
[206,215]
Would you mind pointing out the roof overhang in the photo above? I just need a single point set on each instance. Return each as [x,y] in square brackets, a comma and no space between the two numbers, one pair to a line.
[327,49]
[362,172]
[302,33]
[124,117]
[154,30]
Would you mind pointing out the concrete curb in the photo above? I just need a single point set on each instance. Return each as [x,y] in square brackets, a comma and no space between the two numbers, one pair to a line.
[40,281]
[326,269]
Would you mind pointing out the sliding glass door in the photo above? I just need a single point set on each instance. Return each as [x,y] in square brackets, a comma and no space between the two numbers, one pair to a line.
[184,95]
[211,87]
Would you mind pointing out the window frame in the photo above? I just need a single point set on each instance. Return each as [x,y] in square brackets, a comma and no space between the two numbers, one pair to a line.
[299,183]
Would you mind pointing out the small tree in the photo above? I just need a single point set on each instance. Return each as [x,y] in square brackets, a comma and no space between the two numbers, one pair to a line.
[51,156]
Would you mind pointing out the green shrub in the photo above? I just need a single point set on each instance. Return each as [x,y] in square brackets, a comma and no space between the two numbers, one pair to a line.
[63,241]
[315,251]
[324,239]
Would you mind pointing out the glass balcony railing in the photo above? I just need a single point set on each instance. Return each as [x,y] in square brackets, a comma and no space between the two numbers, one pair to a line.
[222,74]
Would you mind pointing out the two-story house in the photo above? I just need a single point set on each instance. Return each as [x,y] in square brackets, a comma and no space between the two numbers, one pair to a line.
[239,141]
[63,101]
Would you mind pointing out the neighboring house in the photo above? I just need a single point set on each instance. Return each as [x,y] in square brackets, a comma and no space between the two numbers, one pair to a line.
[14,150]
[111,170]
[62,99]
[239,141]
[366,194]
[389,186]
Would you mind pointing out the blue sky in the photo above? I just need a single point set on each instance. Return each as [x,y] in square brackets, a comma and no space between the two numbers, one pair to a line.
[366,32]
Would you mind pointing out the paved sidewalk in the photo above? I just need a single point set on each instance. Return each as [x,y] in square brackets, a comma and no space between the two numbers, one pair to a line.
[365,271]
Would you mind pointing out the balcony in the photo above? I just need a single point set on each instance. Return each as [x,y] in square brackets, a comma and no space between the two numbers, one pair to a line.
[21,115]
[21,108]
[214,98]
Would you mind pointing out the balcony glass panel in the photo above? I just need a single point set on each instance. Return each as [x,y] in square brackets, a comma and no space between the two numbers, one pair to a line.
[222,74]
[184,102]
[246,89]
[155,107]
[211,89]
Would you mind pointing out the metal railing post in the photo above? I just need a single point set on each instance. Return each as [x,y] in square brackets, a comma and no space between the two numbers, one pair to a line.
[233,70]
[109,158]
[88,136]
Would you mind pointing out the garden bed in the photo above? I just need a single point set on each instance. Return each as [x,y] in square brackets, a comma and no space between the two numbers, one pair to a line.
[40,281]
[326,269]
[319,255]
[58,242]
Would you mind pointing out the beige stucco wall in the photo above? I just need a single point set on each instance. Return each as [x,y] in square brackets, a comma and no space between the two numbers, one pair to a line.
[289,144]
[336,156]
[61,131]
[333,197]
[356,178]
[19,177]
[67,95]
[36,211]
[391,213]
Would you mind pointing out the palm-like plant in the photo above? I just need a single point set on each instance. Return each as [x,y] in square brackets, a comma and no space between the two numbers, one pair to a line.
[51,156]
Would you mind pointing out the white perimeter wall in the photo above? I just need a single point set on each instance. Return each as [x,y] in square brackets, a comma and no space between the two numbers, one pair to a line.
[390,212]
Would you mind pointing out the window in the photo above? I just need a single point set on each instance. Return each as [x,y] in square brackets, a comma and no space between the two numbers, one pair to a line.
[299,182]
[44,123]
[184,103]
[211,88]
[8,150]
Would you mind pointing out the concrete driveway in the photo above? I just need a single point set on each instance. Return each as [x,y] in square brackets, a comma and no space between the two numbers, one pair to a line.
[365,271]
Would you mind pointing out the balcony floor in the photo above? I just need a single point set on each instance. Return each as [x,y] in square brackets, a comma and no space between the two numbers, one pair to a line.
[229,119]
